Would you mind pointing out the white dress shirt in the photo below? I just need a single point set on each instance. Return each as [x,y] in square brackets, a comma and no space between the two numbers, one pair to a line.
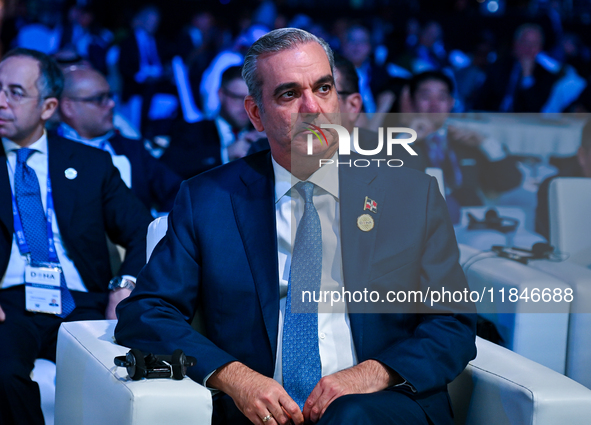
[335,341]
[15,272]
[227,137]
[101,142]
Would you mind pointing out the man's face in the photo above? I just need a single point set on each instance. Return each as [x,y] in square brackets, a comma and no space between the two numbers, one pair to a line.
[232,103]
[528,45]
[23,112]
[357,46]
[297,89]
[87,105]
[433,101]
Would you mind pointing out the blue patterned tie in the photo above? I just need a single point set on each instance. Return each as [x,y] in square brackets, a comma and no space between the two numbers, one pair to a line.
[30,208]
[301,357]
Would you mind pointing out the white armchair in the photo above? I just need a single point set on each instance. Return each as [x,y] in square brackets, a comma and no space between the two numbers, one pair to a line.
[499,387]
[537,331]
[570,228]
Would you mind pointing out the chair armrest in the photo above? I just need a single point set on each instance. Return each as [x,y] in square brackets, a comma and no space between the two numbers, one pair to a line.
[90,389]
[519,322]
[500,387]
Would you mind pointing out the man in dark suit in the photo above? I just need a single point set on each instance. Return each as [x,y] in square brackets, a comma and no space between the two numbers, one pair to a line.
[229,244]
[142,64]
[523,81]
[66,198]
[471,163]
[199,146]
[86,111]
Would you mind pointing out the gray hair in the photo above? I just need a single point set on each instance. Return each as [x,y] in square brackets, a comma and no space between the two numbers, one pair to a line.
[274,42]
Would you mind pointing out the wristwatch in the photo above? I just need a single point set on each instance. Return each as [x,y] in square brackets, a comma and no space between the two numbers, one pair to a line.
[119,282]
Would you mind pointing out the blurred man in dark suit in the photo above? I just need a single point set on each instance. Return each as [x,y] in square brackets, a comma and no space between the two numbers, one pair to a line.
[200,146]
[86,110]
[471,163]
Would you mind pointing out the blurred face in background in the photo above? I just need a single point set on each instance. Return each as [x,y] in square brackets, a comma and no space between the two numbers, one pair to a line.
[528,44]
[232,103]
[87,103]
[357,46]
[433,100]
[148,20]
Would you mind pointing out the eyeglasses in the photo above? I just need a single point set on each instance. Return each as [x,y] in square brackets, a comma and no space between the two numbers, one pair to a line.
[345,93]
[15,95]
[101,99]
[232,95]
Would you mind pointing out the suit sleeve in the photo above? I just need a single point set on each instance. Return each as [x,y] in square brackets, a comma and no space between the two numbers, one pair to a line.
[126,220]
[164,183]
[156,317]
[444,340]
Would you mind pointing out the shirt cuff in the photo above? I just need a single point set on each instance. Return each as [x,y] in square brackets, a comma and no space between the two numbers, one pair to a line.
[213,390]
[132,278]
[406,385]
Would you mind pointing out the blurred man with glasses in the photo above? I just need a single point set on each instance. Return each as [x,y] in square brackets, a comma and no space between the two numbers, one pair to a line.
[59,200]
[200,146]
[86,110]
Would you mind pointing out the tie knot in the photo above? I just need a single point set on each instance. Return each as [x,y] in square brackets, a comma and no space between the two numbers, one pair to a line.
[23,154]
[306,190]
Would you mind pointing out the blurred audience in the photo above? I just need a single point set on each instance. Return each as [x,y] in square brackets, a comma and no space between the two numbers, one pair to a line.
[529,80]
[197,147]
[471,162]
[357,47]
[86,111]
[142,60]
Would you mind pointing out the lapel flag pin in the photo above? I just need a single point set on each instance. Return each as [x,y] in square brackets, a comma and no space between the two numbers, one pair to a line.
[371,205]
[365,222]
[71,173]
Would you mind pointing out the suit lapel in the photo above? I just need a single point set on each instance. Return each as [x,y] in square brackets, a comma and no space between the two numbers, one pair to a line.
[357,246]
[254,209]
[6,210]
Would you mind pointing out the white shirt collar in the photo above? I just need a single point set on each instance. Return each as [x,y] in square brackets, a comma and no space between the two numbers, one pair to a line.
[225,131]
[326,177]
[40,145]
[68,132]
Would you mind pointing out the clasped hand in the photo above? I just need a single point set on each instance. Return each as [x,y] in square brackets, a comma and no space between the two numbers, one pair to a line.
[258,396]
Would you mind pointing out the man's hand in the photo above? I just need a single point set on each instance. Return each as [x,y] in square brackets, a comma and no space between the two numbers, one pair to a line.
[368,377]
[114,298]
[2,315]
[256,395]
[240,147]
[422,125]
[465,136]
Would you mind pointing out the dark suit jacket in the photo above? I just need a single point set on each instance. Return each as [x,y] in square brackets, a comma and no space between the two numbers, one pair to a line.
[496,84]
[194,148]
[129,64]
[94,204]
[220,256]
[152,182]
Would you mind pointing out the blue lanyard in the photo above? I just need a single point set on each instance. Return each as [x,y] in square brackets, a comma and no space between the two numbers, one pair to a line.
[23,246]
